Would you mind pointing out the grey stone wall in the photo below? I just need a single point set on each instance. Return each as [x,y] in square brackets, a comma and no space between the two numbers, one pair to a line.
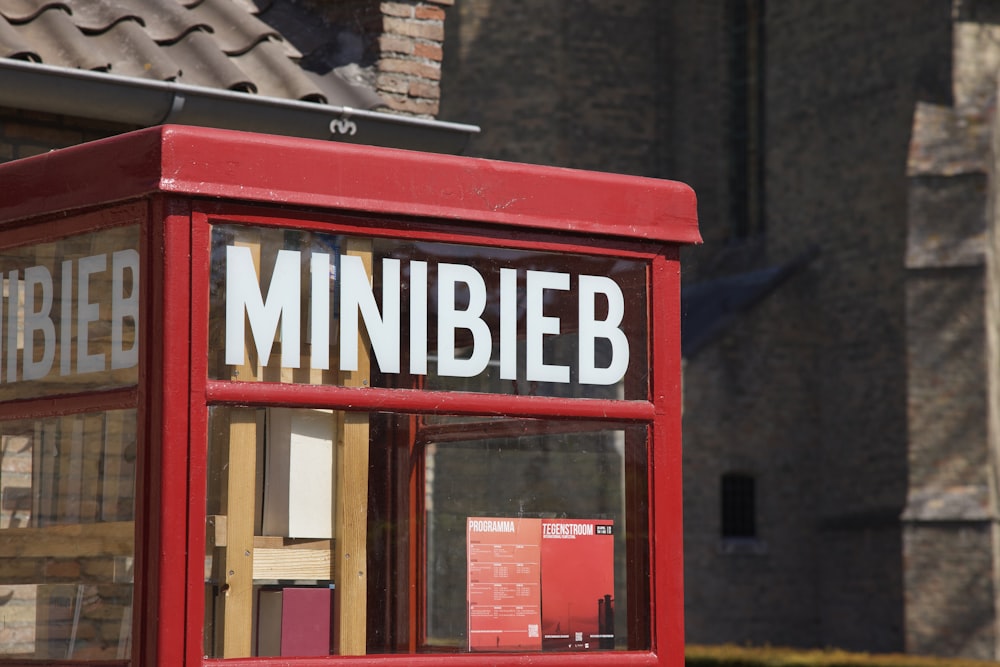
[949,546]
[826,429]
[575,84]
[949,596]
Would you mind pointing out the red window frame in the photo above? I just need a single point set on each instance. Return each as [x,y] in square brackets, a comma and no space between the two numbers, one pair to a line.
[132,396]
[664,592]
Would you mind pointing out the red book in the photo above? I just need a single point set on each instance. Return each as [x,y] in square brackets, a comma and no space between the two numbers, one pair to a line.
[306,621]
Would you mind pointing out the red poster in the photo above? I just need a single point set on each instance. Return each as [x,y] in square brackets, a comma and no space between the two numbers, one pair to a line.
[503,587]
[538,584]
[578,584]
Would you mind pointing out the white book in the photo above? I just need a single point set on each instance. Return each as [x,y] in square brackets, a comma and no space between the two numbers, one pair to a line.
[299,473]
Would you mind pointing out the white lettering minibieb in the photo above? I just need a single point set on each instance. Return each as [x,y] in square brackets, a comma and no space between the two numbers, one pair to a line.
[458,320]
[30,323]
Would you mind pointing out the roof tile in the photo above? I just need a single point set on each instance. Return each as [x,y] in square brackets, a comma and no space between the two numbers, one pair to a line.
[279,77]
[203,64]
[12,45]
[336,85]
[59,42]
[254,6]
[270,47]
[235,30]
[96,16]
[21,11]
[139,55]
[167,21]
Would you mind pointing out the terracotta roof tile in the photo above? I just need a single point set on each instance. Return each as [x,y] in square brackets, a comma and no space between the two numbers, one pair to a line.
[255,46]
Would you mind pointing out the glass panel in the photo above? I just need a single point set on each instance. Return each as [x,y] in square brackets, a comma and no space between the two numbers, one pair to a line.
[269,572]
[526,535]
[67,502]
[70,314]
[400,534]
[435,315]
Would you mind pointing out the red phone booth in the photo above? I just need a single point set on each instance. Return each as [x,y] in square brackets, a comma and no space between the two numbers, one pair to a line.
[277,401]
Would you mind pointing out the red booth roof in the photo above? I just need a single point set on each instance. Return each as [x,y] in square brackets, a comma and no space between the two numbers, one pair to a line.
[223,164]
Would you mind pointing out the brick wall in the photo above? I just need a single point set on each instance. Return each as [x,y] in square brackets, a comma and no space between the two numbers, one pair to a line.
[950,601]
[949,546]
[409,67]
[404,47]
[574,84]
[808,391]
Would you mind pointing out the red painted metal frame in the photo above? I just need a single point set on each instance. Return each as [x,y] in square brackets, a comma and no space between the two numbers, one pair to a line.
[179,172]
[118,398]
[165,553]
[666,502]
[283,170]
[666,590]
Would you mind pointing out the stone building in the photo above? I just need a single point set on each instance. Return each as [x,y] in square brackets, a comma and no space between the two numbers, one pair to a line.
[840,431]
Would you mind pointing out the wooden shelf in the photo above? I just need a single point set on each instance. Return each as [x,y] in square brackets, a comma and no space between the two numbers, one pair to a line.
[284,559]
[79,540]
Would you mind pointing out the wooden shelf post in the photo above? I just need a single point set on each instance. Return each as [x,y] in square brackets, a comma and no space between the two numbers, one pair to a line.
[351,512]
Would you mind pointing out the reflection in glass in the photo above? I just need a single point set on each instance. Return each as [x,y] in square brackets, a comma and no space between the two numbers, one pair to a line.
[70,314]
[67,502]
